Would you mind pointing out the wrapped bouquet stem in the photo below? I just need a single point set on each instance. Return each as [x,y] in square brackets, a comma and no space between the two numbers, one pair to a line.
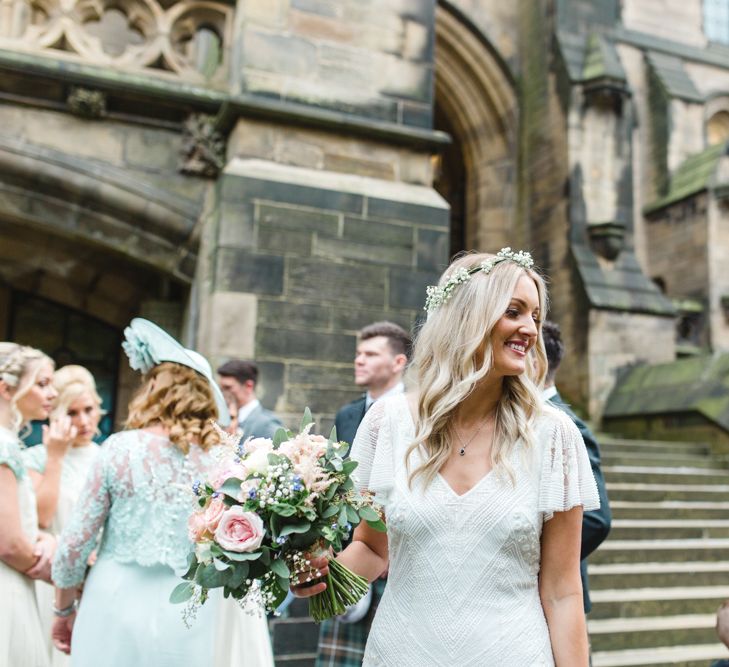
[270,507]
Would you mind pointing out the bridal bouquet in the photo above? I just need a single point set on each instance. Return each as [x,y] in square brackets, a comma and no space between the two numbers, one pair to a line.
[271,506]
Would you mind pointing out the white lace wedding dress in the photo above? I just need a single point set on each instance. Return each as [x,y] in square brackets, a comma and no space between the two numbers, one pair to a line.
[463,579]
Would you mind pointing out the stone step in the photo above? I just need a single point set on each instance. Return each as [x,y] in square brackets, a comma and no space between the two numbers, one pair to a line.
[666,529]
[698,655]
[651,631]
[666,475]
[641,551]
[672,460]
[678,509]
[654,492]
[655,575]
[658,601]
[610,444]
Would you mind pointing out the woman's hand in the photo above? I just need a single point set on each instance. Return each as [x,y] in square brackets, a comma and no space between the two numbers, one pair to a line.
[58,436]
[308,581]
[45,548]
[61,632]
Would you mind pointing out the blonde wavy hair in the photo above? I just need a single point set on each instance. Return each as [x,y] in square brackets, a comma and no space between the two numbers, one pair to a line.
[71,382]
[179,399]
[19,368]
[445,368]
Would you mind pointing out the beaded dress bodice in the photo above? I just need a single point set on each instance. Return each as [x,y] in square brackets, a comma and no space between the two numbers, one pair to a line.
[11,455]
[139,490]
[463,574]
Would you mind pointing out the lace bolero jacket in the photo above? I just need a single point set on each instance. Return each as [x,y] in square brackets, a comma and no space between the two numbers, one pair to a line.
[139,490]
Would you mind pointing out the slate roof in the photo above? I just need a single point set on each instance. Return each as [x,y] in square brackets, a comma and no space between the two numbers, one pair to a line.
[694,175]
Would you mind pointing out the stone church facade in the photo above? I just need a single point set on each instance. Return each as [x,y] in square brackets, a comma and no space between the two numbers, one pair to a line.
[265,177]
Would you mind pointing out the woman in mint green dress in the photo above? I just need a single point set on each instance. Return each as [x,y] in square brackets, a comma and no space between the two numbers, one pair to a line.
[139,491]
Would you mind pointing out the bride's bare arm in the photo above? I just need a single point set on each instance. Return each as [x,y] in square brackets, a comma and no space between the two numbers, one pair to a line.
[367,555]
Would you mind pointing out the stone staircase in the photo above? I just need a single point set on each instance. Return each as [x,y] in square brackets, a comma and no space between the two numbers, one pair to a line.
[658,580]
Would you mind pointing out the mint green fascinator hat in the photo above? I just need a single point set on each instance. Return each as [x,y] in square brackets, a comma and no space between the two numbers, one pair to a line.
[147,345]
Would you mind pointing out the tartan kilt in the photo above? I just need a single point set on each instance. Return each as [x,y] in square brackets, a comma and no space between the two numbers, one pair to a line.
[343,644]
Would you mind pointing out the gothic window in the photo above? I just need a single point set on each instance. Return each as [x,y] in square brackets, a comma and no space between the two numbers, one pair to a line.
[716,20]
[115,32]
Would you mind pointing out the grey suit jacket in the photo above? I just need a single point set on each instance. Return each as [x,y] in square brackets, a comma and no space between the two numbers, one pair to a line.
[261,423]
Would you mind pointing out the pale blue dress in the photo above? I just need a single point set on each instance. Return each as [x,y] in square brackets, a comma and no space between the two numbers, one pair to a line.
[139,492]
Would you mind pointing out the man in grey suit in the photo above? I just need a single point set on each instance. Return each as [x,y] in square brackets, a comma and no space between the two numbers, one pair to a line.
[239,378]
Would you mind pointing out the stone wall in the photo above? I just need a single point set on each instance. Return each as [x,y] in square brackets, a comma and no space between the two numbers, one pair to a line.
[678,254]
[620,339]
[718,278]
[676,20]
[544,172]
[311,256]
[371,58]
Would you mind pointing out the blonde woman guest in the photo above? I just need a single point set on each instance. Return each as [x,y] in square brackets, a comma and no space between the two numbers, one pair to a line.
[58,476]
[139,491]
[26,393]
[483,487]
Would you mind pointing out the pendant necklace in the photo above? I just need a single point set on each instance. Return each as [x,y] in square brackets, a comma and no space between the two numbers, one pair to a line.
[462,450]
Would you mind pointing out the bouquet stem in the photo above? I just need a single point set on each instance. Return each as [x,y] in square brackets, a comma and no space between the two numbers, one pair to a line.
[344,588]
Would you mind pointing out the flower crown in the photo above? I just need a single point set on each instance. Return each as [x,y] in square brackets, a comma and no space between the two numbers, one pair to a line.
[438,295]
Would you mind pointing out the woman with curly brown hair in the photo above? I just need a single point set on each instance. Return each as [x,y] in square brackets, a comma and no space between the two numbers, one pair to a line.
[139,491]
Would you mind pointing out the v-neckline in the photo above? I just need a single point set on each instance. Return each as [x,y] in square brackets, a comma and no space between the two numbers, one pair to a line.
[465,493]
[438,474]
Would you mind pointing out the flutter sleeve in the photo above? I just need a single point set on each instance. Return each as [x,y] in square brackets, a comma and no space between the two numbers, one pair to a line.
[35,458]
[10,455]
[566,476]
[372,449]
[80,535]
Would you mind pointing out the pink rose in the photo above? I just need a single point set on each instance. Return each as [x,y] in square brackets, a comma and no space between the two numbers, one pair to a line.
[227,470]
[213,512]
[196,526]
[253,444]
[239,531]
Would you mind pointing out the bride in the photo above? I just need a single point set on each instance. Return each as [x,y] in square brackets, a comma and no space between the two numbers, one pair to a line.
[482,484]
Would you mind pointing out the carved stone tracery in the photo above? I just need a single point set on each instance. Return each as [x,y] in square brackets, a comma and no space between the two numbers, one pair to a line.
[188,39]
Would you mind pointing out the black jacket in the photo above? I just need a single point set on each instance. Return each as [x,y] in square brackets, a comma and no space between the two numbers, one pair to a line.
[349,418]
[596,523]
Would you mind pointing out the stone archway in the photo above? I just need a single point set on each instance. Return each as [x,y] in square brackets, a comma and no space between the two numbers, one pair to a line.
[476,95]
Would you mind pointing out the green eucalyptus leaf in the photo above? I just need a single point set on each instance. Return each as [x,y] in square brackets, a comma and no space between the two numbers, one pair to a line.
[368,514]
[378,525]
[231,487]
[283,510]
[209,577]
[281,435]
[333,435]
[239,575]
[306,419]
[347,485]
[337,464]
[349,466]
[352,516]
[330,511]
[219,565]
[298,526]
[331,491]
[181,593]
[279,568]
[236,556]
[342,519]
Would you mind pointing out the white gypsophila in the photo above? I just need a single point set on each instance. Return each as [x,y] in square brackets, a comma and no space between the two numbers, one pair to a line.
[439,295]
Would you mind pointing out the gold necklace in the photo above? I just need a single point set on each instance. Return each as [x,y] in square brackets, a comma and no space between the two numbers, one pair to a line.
[462,450]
